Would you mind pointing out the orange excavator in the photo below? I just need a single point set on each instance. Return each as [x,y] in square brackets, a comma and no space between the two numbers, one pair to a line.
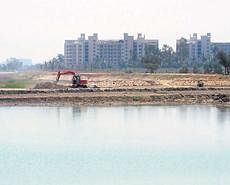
[76,80]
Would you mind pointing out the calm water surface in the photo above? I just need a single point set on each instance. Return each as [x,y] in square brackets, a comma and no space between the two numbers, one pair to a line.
[136,145]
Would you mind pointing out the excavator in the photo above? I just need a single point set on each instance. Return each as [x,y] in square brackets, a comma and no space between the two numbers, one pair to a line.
[76,80]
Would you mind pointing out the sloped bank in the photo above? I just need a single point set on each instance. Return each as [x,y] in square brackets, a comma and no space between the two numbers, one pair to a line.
[214,96]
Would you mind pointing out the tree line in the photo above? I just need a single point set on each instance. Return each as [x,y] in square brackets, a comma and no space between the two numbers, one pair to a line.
[167,58]
[154,59]
[11,64]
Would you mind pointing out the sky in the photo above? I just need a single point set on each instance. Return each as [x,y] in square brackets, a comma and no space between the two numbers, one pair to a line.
[37,29]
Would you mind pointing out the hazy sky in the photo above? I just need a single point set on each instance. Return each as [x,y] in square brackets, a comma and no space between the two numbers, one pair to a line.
[37,28]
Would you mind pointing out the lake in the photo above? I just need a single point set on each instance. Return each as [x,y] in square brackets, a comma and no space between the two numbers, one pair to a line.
[123,145]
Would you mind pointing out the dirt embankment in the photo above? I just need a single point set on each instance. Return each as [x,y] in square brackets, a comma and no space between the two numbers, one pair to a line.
[48,85]
[130,80]
[121,88]
[115,97]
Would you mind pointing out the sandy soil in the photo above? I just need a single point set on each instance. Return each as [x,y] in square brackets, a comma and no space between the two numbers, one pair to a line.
[121,88]
[117,80]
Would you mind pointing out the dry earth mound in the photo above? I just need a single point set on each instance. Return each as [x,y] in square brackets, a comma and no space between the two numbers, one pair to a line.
[48,85]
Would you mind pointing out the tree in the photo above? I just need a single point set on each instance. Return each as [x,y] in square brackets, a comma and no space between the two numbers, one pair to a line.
[132,62]
[152,59]
[212,67]
[60,61]
[195,69]
[13,64]
[207,68]
[184,69]
[151,62]
[224,60]
[151,50]
[167,56]
[56,63]
[182,51]
[217,69]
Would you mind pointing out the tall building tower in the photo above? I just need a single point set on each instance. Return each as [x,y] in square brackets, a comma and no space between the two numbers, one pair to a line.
[80,51]
[128,47]
[139,46]
[70,52]
[92,48]
[193,47]
[200,49]
[182,49]
[206,46]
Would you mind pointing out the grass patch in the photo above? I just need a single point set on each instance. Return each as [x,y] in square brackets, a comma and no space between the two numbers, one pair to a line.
[14,84]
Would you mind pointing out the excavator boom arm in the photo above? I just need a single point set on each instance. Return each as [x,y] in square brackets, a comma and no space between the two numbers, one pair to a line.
[64,73]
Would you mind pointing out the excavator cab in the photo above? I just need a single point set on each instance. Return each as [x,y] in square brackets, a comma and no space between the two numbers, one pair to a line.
[76,81]
[200,83]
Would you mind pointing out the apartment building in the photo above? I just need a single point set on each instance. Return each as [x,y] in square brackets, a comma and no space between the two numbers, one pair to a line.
[80,50]
[199,48]
[111,51]
[139,46]
[221,46]
[93,48]
[195,49]
[128,47]
[182,50]
[70,52]
[83,52]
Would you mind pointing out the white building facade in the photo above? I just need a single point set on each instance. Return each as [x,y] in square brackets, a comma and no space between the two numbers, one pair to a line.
[221,46]
[200,49]
[84,52]
[70,52]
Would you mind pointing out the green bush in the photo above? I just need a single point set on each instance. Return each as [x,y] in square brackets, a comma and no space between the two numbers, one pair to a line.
[184,70]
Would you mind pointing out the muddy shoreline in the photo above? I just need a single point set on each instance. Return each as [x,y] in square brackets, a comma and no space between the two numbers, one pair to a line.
[116,96]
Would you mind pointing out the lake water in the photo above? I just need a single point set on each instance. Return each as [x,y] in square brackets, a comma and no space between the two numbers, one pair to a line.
[131,145]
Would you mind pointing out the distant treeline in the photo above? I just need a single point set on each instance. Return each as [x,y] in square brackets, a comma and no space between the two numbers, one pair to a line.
[11,65]
[155,59]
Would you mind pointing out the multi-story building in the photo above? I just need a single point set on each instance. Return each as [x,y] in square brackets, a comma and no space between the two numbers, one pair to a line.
[181,45]
[111,51]
[70,52]
[194,49]
[139,46]
[92,48]
[200,48]
[84,52]
[80,50]
[206,51]
[182,49]
[128,47]
[221,46]
[154,44]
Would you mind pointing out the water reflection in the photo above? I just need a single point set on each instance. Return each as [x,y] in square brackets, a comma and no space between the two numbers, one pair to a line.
[129,145]
[58,116]
[221,115]
[77,112]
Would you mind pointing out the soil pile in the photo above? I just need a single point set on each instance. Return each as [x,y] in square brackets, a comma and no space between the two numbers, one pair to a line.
[48,85]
